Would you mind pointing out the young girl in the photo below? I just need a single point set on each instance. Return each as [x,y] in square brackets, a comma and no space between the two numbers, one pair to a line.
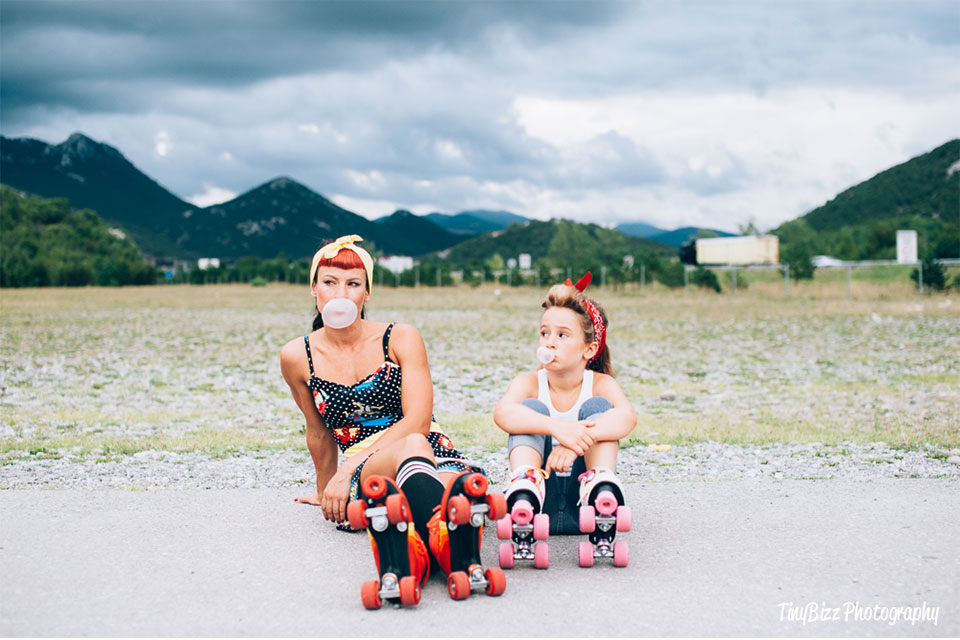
[364,389]
[565,421]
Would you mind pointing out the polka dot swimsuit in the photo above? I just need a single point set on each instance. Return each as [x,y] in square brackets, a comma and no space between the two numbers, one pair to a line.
[355,412]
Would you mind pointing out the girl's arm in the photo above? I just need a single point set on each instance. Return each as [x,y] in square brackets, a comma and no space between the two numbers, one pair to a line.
[320,443]
[615,423]
[514,418]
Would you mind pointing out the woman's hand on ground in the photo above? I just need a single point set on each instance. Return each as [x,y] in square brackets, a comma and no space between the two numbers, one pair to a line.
[574,435]
[313,498]
[335,495]
[560,459]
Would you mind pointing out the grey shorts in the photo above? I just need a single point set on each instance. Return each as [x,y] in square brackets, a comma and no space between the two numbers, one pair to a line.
[592,407]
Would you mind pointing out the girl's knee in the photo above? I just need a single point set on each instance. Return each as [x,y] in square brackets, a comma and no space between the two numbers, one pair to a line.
[593,406]
[536,405]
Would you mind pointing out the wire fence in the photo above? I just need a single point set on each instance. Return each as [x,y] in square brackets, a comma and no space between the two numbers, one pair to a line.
[437,276]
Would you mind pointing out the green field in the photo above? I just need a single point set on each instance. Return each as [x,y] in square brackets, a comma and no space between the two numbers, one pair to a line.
[108,372]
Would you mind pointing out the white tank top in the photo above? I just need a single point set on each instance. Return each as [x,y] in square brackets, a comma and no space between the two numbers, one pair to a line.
[573,413]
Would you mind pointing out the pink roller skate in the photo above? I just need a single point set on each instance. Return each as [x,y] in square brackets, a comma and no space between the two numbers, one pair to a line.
[524,526]
[602,515]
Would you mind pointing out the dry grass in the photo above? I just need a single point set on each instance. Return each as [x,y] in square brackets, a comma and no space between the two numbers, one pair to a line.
[115,371]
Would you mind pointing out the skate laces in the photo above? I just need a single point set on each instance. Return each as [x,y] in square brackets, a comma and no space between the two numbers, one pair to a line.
[589,479]
[531,473]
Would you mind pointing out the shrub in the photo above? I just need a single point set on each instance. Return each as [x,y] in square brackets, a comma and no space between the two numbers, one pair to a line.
[706,279]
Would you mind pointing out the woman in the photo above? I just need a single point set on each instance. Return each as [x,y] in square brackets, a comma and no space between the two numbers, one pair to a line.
[364,388]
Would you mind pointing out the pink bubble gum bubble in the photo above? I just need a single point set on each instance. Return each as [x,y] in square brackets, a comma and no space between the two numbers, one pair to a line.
[545,355]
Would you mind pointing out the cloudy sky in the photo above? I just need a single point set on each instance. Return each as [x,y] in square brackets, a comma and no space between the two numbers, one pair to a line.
[672,113]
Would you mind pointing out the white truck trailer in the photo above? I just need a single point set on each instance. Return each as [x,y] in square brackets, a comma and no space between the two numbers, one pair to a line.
[738,250]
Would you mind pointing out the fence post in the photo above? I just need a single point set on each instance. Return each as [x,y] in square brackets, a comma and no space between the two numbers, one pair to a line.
[849,293]
[920,278]
[686,277]
[603,277]
[537,277]
[734,281]
[569,276]
[416,272]
[439,271]
[643,276]
[786,281]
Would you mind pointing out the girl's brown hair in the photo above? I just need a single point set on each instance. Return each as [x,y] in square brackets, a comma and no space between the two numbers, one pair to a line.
[561,295]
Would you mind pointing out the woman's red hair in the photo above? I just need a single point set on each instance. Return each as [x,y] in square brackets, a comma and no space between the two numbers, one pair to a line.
[345,259]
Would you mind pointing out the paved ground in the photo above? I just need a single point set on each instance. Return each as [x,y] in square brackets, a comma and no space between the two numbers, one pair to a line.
[707,558]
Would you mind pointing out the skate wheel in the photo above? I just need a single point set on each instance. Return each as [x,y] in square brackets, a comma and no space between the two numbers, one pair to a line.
[475,485]
[396,509]
[606,503]
[621,553]
[370,594]
[458,510]
[458,585]
[356,516]
[409,591]
[496,506]
[585,554]
[375,487]
[522,512]
[624,518]
[505,528]
[588,519]
[541,526]
[506,555]
[541,555]
[496,581]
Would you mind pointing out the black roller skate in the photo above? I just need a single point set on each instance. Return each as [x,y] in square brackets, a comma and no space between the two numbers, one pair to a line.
[401,556]
[456,529]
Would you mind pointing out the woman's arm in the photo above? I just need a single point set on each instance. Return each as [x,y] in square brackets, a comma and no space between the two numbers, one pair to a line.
[615,423]
[320,443]
[515,418]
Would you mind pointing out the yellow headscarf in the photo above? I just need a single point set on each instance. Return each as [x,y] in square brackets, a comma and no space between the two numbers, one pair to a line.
[331,250]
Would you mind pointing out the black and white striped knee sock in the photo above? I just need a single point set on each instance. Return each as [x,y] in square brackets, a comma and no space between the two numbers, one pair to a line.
[418,478]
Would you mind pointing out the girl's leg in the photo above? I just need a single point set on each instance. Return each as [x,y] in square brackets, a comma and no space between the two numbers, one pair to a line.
[528,449]
[601,454]
[527,453]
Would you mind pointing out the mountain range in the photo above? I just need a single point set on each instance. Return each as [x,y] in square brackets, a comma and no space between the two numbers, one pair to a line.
[283,215]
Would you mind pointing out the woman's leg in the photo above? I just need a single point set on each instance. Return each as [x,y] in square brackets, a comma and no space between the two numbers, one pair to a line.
[410,460]
[387,461]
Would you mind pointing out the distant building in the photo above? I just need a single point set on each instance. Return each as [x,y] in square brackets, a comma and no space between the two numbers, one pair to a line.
[511,263]
[525,260]
[628,262]
[396,264]
[208,263]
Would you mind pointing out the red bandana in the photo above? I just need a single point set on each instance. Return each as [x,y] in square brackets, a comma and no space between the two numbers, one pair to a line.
[599,329]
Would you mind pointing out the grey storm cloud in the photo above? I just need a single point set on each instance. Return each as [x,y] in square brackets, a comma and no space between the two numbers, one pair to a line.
[417,102]
[81,53]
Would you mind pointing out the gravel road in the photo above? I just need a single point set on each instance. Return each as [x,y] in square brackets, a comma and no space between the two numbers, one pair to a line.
[740,557]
